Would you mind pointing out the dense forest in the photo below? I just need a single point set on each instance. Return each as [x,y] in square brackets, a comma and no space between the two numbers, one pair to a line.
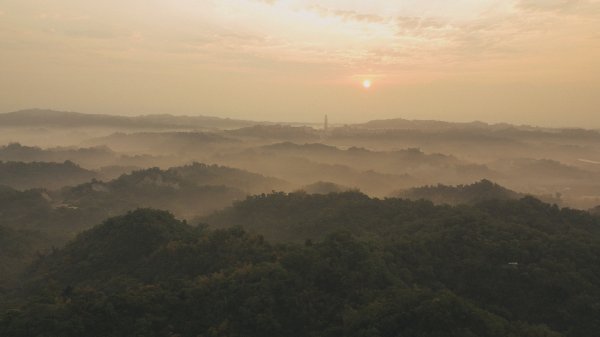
[320,265]
[461,194]
[189,191]
[40,174]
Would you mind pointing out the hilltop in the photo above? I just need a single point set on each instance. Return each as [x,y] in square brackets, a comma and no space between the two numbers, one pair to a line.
[50,175]
[460,194]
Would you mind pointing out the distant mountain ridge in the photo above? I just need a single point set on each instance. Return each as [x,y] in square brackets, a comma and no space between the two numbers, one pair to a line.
[401,123]
[55,118]
[45,118]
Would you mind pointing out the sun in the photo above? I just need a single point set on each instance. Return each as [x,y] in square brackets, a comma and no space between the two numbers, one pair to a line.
[367,84]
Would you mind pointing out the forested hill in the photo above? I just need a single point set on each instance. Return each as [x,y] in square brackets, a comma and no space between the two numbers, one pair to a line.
[299,216]
[461,194]
[189,191]
[501,268]
[42,175]
[18,248]
[440,271]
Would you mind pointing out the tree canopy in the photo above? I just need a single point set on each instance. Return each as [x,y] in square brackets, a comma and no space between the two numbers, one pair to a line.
[353,266]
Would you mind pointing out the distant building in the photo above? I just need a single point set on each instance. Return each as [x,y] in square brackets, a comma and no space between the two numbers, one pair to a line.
[326,124]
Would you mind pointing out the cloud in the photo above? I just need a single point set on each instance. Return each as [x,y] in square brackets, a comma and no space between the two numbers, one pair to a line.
[349,15]
[92,33]
[422,26]
[359,35]
[548,5]
[230,40]
[560,6]
[269,2]
[63,17]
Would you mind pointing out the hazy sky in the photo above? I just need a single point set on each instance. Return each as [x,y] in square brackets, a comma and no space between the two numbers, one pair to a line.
[523,61]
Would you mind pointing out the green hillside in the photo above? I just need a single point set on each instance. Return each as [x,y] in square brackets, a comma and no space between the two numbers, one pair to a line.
[371,268]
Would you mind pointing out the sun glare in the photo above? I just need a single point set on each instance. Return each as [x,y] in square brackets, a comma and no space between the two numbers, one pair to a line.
[367,84]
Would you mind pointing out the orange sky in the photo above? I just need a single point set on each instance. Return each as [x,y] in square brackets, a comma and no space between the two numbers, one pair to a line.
[523,61]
